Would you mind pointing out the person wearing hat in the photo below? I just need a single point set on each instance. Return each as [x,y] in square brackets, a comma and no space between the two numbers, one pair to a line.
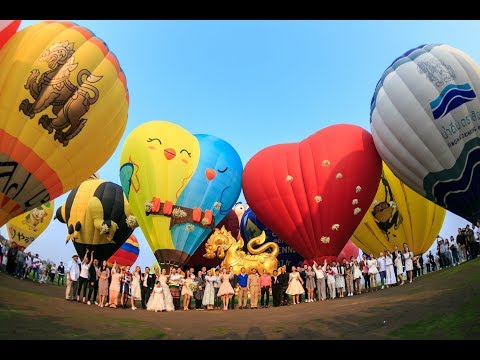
[73,272]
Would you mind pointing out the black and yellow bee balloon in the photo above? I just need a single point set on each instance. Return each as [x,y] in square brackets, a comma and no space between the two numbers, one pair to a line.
[98,218]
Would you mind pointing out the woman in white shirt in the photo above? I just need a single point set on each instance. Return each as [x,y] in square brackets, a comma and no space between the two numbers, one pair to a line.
[408,256]
[389,268]
[83,279]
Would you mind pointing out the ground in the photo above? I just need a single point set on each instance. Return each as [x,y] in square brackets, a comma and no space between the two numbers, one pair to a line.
[440,305]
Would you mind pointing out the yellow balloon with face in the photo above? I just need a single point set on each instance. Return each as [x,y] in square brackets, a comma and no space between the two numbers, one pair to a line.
[158,159]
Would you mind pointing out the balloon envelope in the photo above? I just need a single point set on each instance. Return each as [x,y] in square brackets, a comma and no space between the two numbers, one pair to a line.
[98,217]
[25,228]
[397,215]
[7,29]
[251,227]
[197,260]
[191,175]
[313,194]
[425,116]
[348,251]
[127,254]
[63,110]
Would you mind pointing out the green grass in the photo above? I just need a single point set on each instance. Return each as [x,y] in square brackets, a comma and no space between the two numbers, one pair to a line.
[460,324]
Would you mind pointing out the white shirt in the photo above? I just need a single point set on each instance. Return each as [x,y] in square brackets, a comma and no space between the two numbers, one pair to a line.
[381,264]
[84,271]
[72,270]
[36,261]
[319,272]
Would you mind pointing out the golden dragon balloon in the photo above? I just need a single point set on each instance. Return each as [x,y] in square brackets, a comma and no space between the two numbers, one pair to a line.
[25,228]
[397,215]
[63,110]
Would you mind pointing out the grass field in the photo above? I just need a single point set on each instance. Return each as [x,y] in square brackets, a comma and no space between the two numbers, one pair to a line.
[440,305]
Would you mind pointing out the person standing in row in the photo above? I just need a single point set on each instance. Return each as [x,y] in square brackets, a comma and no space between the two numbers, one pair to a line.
[187,290]
[382,270]
[233,282]
[320,277]
[389,269]
[216,286]
[115,286]
[61,274]
[242,279]
[104,272]
[265,285]
[209,295]
[93,282]
[331,273]
[199,291]
[372,272]
[83,279]
[20,262]
[36,267]
[349,279]
[295,287]
[310,283]
[226,290]
[156,300]
[357,276]
[135,290]
[408,256]
[276,289]
[148,282]
[283,276]
[28,265]
[73,272]
[253,285]
[174,285]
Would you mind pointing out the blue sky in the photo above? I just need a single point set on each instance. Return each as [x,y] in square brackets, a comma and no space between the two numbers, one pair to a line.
[254,83]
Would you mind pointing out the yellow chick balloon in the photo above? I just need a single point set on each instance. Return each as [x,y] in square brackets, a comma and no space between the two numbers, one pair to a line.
[63,110]
[158,159]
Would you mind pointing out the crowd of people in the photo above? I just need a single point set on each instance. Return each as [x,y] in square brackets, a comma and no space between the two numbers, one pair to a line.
[170,289]
[15,261]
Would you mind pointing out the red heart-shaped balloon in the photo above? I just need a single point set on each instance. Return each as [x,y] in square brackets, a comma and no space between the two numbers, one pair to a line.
[313,194]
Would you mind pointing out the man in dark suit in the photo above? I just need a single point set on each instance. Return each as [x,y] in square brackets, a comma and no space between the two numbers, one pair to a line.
[233,282]
[148,282]
[276,289]
[284,282]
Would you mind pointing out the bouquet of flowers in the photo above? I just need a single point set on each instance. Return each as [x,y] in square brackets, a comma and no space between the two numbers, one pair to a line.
[192,285]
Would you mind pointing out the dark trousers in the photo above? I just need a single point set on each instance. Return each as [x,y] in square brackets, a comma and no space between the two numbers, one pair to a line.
[231,303]
[19,269]
[52,277]
[92,289]
[82,283]
[276,294]
[284,295]
[61,276]
[198,304]
[264,291]
[366,278]
[145,296]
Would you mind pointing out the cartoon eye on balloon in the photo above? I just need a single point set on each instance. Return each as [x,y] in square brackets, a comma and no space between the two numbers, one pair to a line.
[179,186]
[313,194]
[63,110]
[424,118]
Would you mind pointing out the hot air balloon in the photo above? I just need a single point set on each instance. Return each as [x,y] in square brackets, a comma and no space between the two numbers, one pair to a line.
[397,215]
[179,185]
[98,217]
[424,118]
[63,110]
[127,254]
[348,251]
[251,227]
[230,222]
[7,29]
[313,194]
[25,228]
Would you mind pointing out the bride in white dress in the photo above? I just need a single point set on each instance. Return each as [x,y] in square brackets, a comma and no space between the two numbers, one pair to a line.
[167,296]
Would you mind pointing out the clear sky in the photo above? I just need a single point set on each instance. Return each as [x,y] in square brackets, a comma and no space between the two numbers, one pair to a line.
[254,83]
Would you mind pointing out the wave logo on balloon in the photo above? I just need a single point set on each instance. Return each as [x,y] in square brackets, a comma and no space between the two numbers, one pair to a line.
[451,98]
[452,188]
